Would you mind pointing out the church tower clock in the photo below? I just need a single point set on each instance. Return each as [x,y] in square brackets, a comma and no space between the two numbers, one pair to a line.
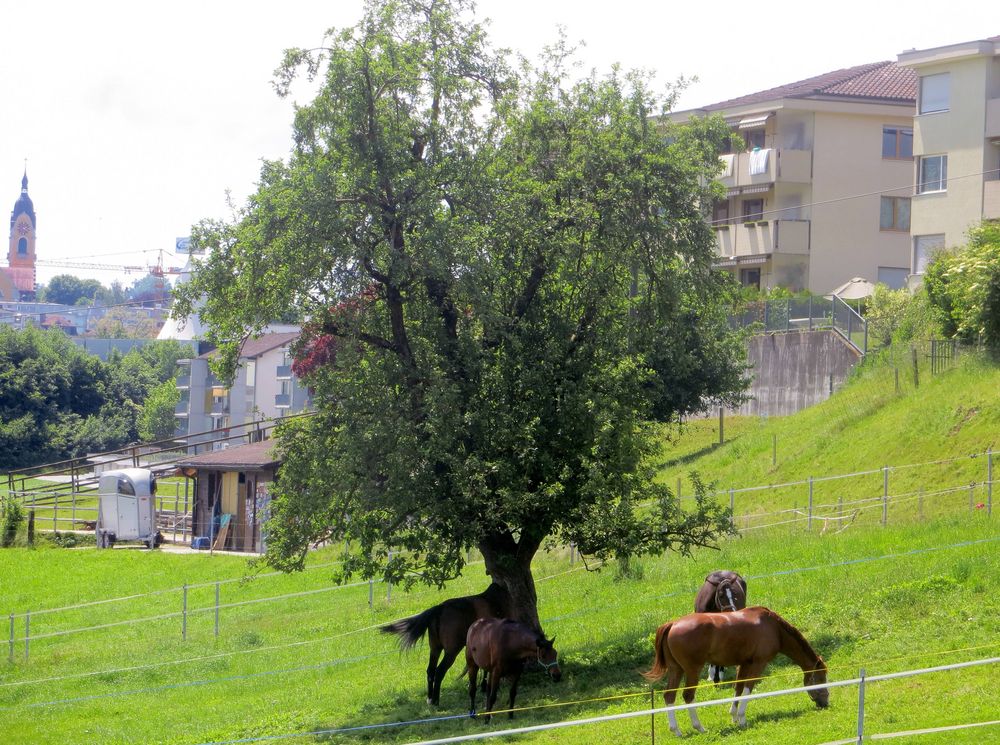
[21,253]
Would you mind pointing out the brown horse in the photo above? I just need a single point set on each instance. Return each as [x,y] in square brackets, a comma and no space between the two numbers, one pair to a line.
[446,626]
[750,638]
[723,590]
[500,647]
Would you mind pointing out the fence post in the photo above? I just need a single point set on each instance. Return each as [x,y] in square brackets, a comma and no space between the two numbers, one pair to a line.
[27,633]
[788,314]
[371,593]
[55,510]
[10,654]
[732,506]
[972,497]
[216,608]
[652,716]
[774,449]
[722,426]
[861,707]
[916,369]
[989,482]
[809,519]
[885,495]
[810,313]
[184,613]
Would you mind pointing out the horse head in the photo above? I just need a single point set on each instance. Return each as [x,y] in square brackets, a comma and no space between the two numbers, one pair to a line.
[730,596]
[548,657]
[820,696]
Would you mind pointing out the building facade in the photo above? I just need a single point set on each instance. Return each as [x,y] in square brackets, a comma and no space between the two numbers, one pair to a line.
[819,184]
[17,279]
[264,388]
[956,144]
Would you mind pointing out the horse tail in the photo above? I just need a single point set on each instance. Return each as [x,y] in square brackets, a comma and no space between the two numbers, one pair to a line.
[659,668]
[411,629]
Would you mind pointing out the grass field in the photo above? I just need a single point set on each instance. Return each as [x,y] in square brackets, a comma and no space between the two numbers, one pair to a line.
[295,654]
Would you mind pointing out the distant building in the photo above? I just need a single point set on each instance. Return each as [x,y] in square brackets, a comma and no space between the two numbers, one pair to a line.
[956,142]
[819,190]
[17,279]
[264,388]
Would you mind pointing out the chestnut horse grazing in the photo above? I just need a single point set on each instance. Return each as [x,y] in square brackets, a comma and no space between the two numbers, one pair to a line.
[749,638]
[723,591]
[500,647]
[446,626]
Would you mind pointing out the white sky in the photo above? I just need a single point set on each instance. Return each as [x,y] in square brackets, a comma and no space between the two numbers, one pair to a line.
[136,118]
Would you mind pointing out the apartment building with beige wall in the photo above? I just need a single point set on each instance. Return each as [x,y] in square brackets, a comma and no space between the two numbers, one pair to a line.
[956,143]
[818,190]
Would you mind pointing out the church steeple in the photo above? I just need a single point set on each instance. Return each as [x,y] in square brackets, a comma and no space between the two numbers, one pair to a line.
[21,251]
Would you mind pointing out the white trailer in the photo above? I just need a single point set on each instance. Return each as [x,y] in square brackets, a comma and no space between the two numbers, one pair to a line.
[126,510]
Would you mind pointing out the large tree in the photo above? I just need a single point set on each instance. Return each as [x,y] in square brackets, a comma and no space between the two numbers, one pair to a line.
[509,281]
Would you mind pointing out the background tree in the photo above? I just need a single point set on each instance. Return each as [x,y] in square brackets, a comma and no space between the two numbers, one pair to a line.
[125,323]
[509,281]
[70,290]
[156,418]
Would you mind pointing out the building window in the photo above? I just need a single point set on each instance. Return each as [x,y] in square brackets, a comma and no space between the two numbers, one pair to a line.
[894,277]
[750,278]
[923,248]
[897,143]
[895,213]
[934,92]
[720,212]
[753,210]
[22,247]
[754,138]
[933,174]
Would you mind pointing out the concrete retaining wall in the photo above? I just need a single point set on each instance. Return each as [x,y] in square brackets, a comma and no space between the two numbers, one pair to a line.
[795,370]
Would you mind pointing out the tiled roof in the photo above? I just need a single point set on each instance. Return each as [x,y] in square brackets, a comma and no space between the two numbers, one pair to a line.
[251,457]
[256,347]
[884,81]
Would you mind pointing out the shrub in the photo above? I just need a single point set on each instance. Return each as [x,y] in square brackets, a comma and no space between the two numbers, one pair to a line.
[10,520]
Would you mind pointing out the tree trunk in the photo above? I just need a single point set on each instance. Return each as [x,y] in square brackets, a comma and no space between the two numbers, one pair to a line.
[509,565]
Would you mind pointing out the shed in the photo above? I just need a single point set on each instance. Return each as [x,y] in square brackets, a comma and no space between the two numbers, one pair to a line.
[232,495]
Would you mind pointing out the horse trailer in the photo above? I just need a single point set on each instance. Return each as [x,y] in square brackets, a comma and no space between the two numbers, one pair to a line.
[126,510]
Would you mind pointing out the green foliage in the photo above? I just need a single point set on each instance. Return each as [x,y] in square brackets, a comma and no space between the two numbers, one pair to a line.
[508,275]
[899,316]
[963,287]
[70,290]
[11,517]
[156,420]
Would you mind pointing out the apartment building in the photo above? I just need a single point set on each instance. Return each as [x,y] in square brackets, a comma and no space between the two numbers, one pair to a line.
[819,186]
[956,143]
[264,388]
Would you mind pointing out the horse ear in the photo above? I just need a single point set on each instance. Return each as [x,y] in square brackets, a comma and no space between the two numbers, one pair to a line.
[552,641]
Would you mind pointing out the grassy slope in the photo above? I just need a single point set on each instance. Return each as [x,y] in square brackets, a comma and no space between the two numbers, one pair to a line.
[868,596]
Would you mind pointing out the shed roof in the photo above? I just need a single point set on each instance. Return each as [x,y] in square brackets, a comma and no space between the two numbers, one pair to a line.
[255,456]
[253,348]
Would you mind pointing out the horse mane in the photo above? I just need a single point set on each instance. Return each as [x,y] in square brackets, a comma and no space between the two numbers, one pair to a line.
[799,639]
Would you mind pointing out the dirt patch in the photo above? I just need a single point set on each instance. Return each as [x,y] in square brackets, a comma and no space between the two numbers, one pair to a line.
[965,417]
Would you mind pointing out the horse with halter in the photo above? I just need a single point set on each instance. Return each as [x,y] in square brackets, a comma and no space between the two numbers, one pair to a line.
[500,647]
[723,590]
[446,626]
[749,638]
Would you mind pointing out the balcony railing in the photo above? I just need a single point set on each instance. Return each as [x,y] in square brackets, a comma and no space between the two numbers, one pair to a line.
[284,372]
[182,408]
[993,117]
[184,381]
[784,165]
[991,199]
[763,237]
[283,400]
[219,409]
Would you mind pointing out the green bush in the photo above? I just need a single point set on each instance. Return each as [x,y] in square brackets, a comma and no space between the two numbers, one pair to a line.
[10,520]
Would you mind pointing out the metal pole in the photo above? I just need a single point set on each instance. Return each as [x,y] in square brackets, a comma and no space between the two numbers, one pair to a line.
[371,594]
[972,497]
[652,717]
[55,510]
[810,313]
[885,494]
[10,654]
[861,707]
[989,482]
[809,520]
[216,608]
[722,427]
[27,633]
[774,449]
[732,505]
[184,614]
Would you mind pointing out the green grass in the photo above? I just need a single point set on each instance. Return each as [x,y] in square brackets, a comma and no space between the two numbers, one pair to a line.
[917,592]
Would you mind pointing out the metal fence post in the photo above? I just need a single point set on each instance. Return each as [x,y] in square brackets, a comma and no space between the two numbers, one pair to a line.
[809,519]
[810,313]
[371,593]
[10,654]
[972,497]
[652,716]
[885,494]
[27,633]
[861,707]
[184,613]
[216,608]
[989,482]
[732,506]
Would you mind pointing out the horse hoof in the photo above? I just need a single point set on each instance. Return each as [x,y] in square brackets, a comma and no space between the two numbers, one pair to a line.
[472,714]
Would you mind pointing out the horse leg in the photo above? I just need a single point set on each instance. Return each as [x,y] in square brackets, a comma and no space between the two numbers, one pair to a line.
[491,697]
[691,676]
[670,695]
[431,669]
[748,675]
[513,692]
[736,694]
[473,673]
[446,663]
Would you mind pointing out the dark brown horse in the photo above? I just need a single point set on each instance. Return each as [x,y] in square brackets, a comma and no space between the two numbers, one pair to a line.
[500,647]
[750,638]
[446,626]
[723,590]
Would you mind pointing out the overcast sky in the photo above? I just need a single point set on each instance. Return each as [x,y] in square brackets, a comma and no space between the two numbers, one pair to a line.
[136,119]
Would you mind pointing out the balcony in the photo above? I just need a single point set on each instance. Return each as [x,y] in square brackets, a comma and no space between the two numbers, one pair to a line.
[783,165]
[991,199]
[184,382]
[182,408]
[763,237]
[219,409]
[284,372]
[283,400]
[993,118]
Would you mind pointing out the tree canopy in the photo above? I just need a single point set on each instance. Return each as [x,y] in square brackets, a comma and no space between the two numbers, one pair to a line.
[509,282]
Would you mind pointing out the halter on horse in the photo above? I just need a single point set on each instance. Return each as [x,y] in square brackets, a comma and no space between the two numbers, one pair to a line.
[749,638]
[723,591]
[446,626]
[500,647]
